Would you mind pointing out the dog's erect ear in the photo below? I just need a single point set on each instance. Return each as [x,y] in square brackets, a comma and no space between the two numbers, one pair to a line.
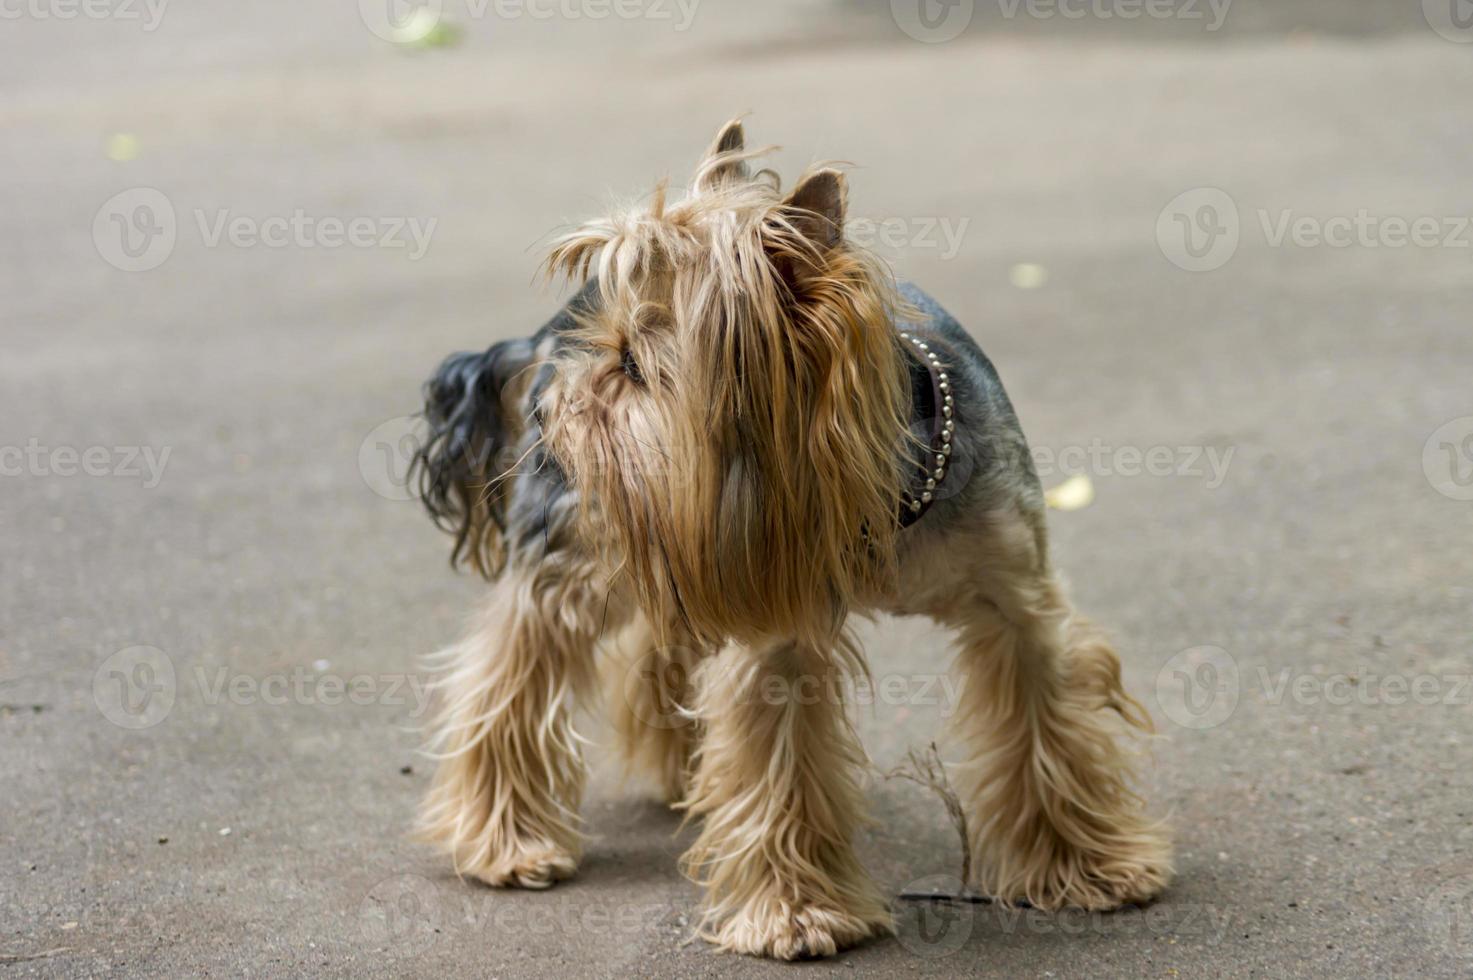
[721,163]
[816,207]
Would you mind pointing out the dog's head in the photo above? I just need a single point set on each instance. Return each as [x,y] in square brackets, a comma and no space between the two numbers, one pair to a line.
[733,406]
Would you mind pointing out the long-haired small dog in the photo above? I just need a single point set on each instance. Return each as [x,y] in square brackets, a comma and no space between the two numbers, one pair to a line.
[737,433]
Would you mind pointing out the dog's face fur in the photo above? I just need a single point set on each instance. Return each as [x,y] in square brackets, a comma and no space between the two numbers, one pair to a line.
[733,407]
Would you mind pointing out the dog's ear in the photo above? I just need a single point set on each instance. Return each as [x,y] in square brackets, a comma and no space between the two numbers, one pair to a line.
[460,470]
[724,160]
[816,207]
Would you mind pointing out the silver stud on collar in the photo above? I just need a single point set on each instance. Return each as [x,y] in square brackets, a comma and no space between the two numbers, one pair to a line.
[942,452]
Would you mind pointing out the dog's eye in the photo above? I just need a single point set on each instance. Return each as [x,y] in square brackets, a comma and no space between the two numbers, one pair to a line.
[631,367]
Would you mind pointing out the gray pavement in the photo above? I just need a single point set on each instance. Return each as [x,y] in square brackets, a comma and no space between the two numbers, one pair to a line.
[1288,575]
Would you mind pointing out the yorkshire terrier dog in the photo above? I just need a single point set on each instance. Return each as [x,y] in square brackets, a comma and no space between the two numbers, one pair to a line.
[738,432]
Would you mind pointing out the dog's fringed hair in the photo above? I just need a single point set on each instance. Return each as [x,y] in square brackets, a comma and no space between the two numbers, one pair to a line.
[684,482]
[783,360]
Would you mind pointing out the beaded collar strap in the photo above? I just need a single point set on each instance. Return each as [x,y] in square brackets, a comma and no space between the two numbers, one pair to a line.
[915,501]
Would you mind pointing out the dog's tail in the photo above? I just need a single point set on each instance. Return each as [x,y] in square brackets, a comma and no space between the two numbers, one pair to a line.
[476,418]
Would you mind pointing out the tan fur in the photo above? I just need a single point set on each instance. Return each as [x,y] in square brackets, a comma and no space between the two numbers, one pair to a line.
[776,782]
[740,483]
[505,796]
[756,342]
[650,699]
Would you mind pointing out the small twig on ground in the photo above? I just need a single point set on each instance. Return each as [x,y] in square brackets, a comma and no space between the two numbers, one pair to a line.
[927,769]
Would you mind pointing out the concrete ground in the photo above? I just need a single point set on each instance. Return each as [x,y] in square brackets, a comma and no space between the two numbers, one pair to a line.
[212,593]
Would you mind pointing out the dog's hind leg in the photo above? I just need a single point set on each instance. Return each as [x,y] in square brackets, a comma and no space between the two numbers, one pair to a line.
[1045,722]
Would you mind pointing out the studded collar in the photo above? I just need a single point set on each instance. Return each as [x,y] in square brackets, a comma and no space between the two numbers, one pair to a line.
[931,393]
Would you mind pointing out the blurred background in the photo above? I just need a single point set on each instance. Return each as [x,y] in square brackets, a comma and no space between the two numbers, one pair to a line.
[1218,249]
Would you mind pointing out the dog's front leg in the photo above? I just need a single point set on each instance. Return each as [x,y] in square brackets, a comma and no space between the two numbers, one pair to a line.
[776,781]
[504,801]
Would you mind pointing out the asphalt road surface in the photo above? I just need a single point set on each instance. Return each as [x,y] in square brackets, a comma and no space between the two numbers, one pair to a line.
[1222,263]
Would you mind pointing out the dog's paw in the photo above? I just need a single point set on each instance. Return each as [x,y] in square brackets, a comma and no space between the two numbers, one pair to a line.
[1095,882]
[775,928]
[529,866]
